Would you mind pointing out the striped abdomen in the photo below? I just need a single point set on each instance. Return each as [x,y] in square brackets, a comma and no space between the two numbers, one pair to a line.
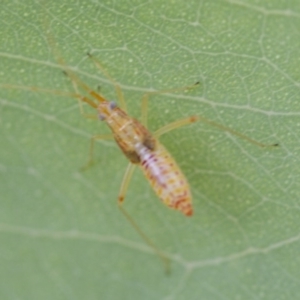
[166,178]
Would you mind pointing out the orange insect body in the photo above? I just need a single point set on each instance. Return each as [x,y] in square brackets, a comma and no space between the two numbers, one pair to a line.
[166,178]
[142,148]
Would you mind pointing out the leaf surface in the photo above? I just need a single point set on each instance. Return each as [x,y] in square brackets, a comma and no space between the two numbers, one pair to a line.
[61,233]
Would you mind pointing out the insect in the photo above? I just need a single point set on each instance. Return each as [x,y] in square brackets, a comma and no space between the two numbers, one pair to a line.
[142,148]
[138,144]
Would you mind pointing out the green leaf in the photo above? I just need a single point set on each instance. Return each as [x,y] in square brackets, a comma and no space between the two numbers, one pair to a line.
[62,235]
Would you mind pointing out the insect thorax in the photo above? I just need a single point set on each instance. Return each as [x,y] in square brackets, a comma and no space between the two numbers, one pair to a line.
[132,137]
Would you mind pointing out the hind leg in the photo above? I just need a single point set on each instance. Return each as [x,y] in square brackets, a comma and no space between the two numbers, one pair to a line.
[193,119]
[124,186]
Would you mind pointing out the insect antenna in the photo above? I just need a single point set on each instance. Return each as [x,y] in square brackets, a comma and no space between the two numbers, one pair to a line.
[66,69]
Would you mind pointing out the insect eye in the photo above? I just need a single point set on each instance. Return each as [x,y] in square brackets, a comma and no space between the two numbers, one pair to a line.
[112,105]
[101,117]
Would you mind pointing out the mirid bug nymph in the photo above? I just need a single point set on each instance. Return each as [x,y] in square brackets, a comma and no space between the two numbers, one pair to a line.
[141,147]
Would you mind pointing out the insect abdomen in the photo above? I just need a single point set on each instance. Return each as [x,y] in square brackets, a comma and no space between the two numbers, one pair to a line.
[166,178]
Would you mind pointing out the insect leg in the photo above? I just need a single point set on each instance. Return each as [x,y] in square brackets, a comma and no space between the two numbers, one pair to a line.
[146,96]
[92,144]
[234,132]
[81,98]
[76,95]
[193,119]
[175,125]
[124,186]
[165,260]
[126,179]
[112,80]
